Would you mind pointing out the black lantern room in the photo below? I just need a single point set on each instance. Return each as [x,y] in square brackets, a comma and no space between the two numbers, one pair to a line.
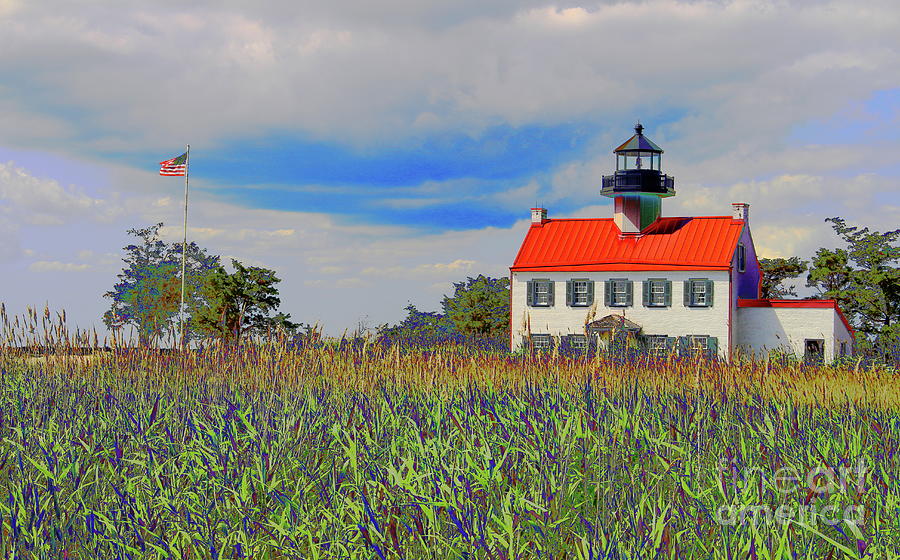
[638,169]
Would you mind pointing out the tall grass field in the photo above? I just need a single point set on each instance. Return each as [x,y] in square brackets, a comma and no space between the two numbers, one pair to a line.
[360,451]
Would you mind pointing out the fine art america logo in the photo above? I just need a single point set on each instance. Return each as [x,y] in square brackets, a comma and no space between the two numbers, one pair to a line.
[819,482]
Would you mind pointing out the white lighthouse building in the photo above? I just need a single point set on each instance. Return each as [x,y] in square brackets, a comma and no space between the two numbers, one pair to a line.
[670,284]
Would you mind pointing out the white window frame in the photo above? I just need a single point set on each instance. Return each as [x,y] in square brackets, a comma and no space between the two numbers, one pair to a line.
[581,344]
[695,293]
[541,298]
[580,298]
[699,343]
[741,257]
[657,344]
[614,299]
[541,342]
[661,284]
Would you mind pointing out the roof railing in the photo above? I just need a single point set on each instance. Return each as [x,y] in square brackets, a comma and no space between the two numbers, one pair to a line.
[638,181]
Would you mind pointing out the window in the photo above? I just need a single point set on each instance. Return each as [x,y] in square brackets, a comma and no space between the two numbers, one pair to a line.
[656,344]
[698,292]
[657,292]
[540,293]
[843,348]
[578,342]
[699,345]
[741,258]
[579,293]
[618,292]
[540,342]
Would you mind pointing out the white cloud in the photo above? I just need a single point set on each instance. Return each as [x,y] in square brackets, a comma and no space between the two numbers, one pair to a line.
[207,234]
[782,240]
[7,7]
[349,282]
[458,266]
[45,202]
[56,266]
[334,72]
[518,197]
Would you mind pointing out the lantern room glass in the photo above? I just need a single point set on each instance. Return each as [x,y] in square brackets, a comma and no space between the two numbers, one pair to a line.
[629,160]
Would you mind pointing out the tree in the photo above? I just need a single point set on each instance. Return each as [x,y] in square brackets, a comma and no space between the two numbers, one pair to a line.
[865,279]
[240,304]
[148,293]
[775,272]
[199,268]
[419,327]
[829,274]
[479,306]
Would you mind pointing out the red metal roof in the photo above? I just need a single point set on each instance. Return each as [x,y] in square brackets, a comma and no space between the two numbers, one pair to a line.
[803,303]
[595,244]
[786,303]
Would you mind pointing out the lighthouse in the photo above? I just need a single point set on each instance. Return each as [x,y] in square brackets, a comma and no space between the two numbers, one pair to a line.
[638,185]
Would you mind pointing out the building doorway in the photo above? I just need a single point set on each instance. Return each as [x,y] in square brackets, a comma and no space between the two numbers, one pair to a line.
[613,333]
[814,351]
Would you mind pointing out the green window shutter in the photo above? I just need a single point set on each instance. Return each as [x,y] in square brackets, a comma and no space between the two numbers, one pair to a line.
[643,342]
[590,292]
[530,293]
[569,289]
[671,341]
[629,288]
[647,284]
[552,293]
[687,293]
[684,345]
[607,292]
[668,294]
[713,345]
[709,293]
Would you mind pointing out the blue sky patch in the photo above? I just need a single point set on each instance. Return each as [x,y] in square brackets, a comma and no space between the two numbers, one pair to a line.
[440,182]
[874,120]
[501,152]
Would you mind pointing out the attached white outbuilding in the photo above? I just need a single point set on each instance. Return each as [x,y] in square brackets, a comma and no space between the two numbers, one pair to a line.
[809,328]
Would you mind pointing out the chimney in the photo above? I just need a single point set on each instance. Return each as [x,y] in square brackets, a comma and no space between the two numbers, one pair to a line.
[538,216]
[740,211]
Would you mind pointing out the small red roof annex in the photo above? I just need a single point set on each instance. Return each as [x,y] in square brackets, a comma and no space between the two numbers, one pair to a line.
[801,303]
[595,244]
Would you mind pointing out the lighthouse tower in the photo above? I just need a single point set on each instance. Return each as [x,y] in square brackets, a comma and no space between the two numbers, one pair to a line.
[638,185]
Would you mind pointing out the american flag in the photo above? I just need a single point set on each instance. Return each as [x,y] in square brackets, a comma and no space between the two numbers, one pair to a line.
[175,167]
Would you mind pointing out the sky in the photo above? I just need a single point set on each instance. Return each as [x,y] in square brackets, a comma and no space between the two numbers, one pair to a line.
[375,153]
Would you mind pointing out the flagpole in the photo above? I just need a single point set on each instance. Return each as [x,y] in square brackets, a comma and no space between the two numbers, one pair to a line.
[187,161]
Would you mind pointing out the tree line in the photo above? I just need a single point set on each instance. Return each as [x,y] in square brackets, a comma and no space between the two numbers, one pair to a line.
[477,312]
[230,307]
[218,305]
